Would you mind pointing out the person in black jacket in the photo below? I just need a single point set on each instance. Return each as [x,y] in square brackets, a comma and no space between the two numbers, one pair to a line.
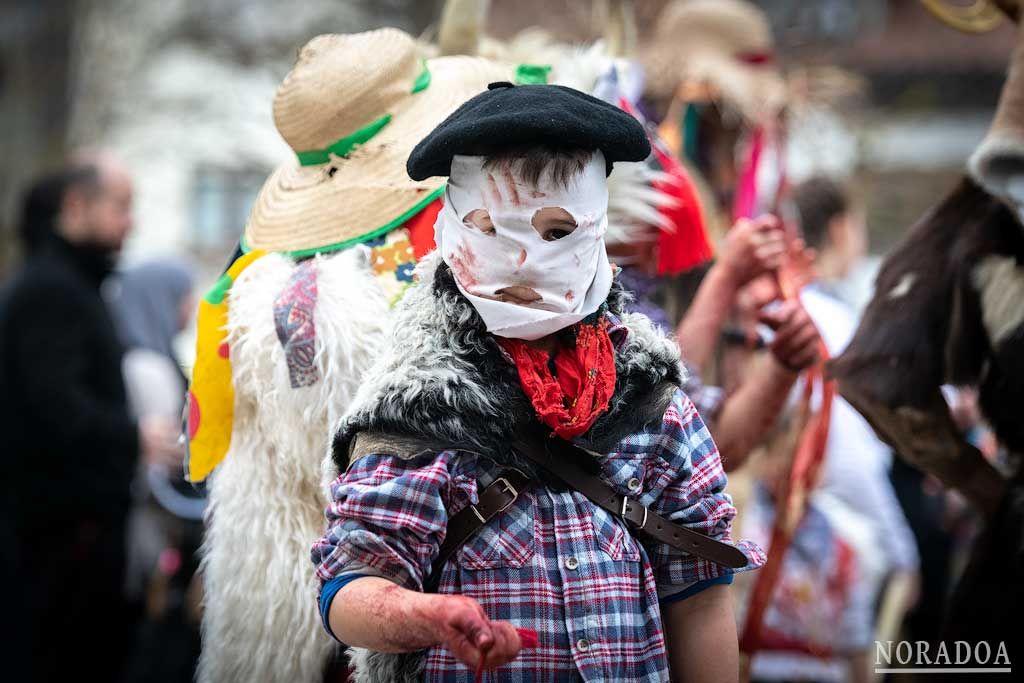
[69,443]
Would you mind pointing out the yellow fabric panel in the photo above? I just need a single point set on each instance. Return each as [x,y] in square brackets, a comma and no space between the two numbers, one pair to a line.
[211,396]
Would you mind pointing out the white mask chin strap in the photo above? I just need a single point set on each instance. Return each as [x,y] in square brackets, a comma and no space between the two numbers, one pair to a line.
[523,285]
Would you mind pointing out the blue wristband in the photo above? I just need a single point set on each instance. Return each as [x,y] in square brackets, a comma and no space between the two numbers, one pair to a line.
[327,593]
[689,592]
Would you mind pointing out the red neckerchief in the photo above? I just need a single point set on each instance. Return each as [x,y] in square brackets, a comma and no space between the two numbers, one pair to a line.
[572,398]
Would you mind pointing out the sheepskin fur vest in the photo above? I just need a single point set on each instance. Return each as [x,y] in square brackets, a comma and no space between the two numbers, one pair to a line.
[444,379]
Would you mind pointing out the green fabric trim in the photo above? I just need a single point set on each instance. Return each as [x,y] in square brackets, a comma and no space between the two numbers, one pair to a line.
[219,290]
[423,80]
[691,125]
[345,145]
[532,74]
[376,232]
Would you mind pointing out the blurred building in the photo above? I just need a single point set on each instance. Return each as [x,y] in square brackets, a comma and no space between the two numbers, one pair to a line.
[183,91]
[929,97]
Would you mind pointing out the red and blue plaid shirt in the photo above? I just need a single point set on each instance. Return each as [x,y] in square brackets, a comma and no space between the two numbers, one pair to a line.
[554,561]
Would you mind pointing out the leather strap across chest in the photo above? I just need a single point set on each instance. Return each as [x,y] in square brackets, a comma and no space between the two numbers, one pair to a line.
[562,460]
[493,500]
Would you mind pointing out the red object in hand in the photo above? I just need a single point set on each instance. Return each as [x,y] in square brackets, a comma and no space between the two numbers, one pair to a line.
[526,635]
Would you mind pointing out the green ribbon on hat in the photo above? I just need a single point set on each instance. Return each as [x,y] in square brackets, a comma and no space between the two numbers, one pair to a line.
[344,146]
[532,74]
[423,80]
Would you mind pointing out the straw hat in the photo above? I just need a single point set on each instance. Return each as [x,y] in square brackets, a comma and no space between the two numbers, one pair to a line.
[723,45]
[352,108]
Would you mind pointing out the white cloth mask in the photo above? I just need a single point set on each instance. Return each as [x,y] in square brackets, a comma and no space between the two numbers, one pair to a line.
[523,285]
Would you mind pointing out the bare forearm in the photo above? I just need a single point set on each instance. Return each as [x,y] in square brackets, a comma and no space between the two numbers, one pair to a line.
[378,614]
[699,331]
[748,414]
[701,638]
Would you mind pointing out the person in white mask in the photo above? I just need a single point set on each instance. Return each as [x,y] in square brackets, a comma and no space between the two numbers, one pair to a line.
[531,262]
[515,476]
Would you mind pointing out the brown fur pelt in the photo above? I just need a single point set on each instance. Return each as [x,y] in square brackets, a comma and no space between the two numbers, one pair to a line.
[949,308]
[931,322]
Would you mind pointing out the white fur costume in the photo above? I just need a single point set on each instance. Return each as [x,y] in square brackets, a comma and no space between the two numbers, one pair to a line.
[266,501]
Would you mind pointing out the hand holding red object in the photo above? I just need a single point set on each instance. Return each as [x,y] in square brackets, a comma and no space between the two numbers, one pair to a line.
[753,248]
[796,338]
[528,639]
[378,614]
[460,625]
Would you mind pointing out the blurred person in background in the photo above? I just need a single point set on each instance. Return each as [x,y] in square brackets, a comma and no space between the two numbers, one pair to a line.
[857,463]
[71,442]
[719,97]
[745,410]
[151,304]
[854,534]
[741,417]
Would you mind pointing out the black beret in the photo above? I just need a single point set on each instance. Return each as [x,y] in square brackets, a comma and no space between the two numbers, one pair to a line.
[507,115]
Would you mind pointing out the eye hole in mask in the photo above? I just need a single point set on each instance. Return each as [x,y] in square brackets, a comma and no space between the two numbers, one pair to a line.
[553,223]
[480,220]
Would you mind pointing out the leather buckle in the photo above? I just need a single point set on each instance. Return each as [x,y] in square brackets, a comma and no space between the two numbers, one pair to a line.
[507,487]
[622,513]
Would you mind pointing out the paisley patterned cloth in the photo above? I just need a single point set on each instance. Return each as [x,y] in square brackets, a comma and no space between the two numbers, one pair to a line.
[392,260]
[296,327]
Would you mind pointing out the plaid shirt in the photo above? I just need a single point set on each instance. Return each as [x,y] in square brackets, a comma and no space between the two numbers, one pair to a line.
[554,561]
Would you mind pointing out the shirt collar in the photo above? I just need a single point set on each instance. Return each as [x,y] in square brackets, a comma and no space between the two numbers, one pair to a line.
[617,330]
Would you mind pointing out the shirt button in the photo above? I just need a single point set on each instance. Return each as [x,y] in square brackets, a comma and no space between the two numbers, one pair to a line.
[572,563]
[582,644]
[633,484]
